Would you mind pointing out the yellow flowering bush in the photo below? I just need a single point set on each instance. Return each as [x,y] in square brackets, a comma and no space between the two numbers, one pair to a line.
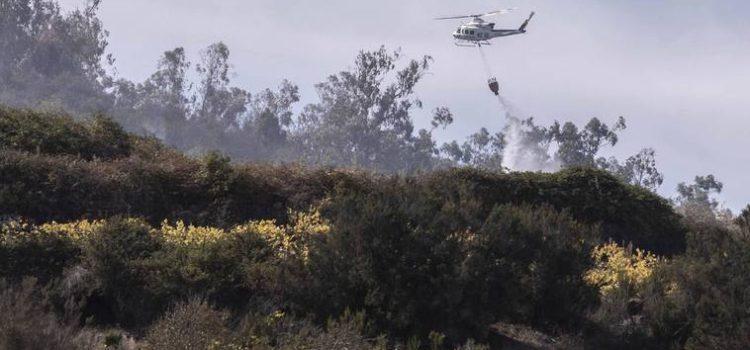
[617,268]
[12,230]
[189,235]
[290,240]
[75,230]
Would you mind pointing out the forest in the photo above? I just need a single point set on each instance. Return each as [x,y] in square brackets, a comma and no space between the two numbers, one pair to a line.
[178,214]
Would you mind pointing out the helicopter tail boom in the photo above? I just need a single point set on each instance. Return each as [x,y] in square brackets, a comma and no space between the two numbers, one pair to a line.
[522,29]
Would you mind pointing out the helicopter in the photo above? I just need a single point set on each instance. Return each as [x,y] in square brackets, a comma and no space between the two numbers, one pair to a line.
[478,32]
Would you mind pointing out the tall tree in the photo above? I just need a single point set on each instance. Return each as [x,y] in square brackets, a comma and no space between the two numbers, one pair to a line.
[160,105]
[639,170]
[697,200]
[49,59]
[219,107]
[580,147]
[364,117]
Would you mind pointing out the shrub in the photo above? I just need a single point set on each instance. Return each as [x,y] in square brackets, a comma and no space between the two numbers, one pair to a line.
[620,270]
[48,133]
[117,255]
[623,276]
[525,265]
[27,322]
[417,264]
[214,192]
[278,330]
[190,325]
[701,300]
[26,250]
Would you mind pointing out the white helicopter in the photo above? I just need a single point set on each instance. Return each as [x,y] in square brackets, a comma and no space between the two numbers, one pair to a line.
[477,32]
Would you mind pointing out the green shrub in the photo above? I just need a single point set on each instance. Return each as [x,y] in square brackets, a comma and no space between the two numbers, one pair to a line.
[701,300]
[118,256]
[417,264]
[213,192]
[525,265]
[47,133]
[26,250]
[625,213]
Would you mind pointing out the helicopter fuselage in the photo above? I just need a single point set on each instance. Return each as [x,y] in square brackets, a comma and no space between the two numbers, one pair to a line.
[479,31]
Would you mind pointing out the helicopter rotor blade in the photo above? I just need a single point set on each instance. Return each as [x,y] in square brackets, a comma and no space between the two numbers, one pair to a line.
[499,12]
[457,17]
[493,13]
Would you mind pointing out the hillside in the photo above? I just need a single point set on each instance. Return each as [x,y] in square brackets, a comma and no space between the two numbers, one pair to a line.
[109,234]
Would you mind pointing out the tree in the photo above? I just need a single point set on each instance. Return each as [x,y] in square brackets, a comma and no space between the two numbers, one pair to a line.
[364,117]
[579,148]
[160,105]
[639,170]
[525,146]
[265,132]
[696,201]
[218,107]
[481,150]
[48,59]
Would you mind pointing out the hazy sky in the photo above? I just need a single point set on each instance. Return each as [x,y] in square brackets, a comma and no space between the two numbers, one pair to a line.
[678,70]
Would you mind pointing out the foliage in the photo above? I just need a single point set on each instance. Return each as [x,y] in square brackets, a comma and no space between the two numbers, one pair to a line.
[57,134]
[26,250]
[51,59]
[743,221]
[580,147]
[620,268]
[158,185]
[412,270]
[363,118]
[115,254]
[623,276]
[700,300]
[639,170]
[26,322]
[696,201]
[191,325]
[422,254]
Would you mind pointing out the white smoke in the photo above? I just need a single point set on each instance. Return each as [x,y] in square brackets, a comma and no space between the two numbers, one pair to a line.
[521,152]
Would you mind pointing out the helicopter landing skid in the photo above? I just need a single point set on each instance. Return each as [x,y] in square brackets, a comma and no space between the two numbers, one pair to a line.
[468,43]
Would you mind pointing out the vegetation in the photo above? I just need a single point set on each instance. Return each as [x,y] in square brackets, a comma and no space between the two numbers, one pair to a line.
[146,246]
[132,232]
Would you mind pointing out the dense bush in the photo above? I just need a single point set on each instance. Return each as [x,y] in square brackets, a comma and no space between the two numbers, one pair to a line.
[413,269]
[702,300]
[27,322]
[29,251]
[192,325]
[212,192]
[51,133]
[278,251]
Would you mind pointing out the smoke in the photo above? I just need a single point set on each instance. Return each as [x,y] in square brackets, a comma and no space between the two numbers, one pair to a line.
[523,151]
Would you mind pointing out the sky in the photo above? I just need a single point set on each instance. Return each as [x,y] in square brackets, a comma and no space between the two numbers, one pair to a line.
[677,70]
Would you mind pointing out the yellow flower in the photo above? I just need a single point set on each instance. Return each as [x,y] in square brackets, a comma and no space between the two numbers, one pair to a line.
[76,230]
[618,267]
[189,235]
